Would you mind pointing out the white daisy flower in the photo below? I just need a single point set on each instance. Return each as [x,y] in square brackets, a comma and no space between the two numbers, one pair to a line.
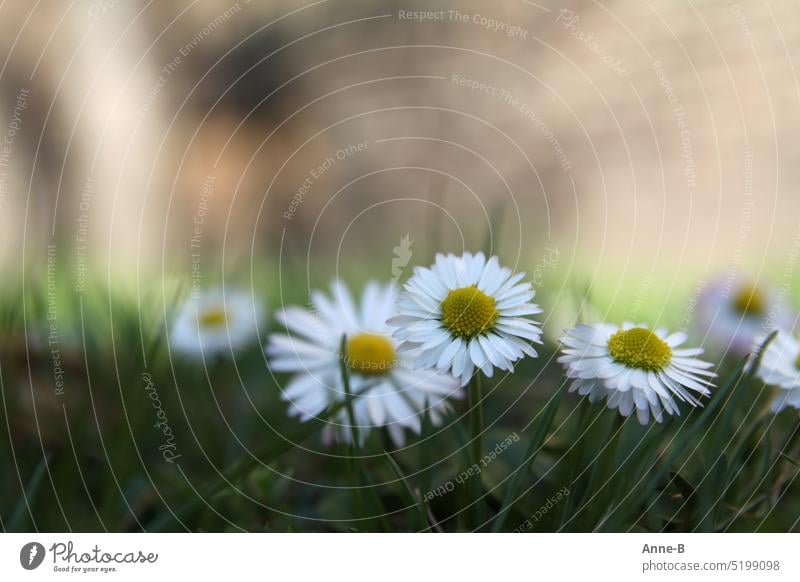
[733,313]
[634,368]
[780,366]
[387,392]
[465,313]
[215,323]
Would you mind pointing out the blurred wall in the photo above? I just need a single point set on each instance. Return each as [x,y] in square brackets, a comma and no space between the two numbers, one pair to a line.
[657,134]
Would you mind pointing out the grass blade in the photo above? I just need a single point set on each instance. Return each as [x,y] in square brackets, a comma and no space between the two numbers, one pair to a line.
[616,515]
[238,469]
[23,506]
[417,500]
[537,440]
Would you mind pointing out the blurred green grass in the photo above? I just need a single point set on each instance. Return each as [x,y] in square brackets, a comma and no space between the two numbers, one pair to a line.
[89,459]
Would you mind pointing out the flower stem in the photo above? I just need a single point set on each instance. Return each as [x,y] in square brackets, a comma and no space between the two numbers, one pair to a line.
[476,428]
[352,447]
[348,396]
[476,418]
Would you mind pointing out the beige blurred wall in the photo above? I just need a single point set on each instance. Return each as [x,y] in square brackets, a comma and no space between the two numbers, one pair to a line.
[653,134]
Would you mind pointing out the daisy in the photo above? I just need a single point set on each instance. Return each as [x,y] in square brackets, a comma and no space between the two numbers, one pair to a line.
[634,368]
[215,323]
[780,366]
[732,313]
[387,392]
[466,313]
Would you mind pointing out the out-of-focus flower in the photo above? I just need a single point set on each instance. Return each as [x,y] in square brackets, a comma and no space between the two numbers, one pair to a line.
[733,313]
[780,367]
[215,323]
[387,392]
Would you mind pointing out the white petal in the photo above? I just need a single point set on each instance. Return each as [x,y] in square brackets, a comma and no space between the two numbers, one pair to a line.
[446,359]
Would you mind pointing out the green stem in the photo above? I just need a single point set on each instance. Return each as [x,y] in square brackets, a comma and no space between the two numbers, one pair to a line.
[352,447]
[348,396]
[476,426]
[476,418]
[574,458]
[603,462]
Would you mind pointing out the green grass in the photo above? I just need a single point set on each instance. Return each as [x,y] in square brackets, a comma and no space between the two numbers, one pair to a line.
[89,459]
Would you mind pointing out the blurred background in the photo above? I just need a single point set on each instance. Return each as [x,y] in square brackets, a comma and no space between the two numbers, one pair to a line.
[652,136]
[633,149]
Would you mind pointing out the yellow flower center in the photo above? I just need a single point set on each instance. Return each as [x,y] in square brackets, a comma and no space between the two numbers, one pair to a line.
[213,318]
[797,362]
[469,312]
[370,354]
[640,348]
[749,301]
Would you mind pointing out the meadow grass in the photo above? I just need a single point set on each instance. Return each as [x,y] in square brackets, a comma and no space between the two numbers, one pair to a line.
[94,457]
